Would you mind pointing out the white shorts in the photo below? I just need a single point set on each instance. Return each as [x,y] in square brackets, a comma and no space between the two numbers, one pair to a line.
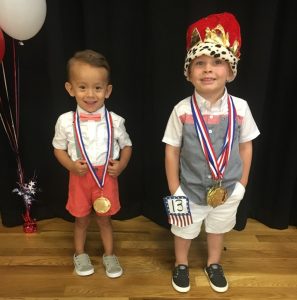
[220,219]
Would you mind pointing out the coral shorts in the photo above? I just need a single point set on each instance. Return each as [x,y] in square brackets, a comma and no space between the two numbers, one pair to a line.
[83,191]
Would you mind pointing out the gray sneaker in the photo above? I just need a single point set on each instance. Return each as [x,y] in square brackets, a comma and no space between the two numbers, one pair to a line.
[112,266]
[83,265]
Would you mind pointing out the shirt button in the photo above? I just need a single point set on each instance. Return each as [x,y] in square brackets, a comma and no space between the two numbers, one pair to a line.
[209,176]
[210,131]
[211,116]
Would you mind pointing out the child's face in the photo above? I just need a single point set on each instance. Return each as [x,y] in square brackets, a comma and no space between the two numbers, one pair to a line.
[209,76]
[89,85]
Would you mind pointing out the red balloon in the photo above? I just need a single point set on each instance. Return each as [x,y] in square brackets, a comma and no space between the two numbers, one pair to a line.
[2,45]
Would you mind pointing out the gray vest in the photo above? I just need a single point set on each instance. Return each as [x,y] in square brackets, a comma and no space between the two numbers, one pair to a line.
[194,170]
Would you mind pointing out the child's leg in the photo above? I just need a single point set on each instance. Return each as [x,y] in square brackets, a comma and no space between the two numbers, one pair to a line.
[213,270]
[181,247]
[106,232]
[180,275]
[215,247]
[112,266]
[80,232]
[82,262]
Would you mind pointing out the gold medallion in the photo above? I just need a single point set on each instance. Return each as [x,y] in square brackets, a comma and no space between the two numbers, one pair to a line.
[216,196]
[102,205]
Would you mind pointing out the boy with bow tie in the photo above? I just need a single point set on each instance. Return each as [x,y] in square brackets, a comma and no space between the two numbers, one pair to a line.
[93,145]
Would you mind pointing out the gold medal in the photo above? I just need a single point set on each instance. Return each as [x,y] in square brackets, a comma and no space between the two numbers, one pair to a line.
[102,205]
[216,196]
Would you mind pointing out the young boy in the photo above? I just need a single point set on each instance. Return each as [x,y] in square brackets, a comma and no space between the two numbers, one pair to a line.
[93,145]
[208,148]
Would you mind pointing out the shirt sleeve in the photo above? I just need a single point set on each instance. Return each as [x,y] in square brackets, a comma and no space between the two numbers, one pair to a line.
[120,133]
[173,131]
[249,129]
[60,137]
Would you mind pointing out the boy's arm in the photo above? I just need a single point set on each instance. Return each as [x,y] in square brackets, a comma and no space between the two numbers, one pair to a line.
[78,167]
[116,167]
[246,153]
[172,167]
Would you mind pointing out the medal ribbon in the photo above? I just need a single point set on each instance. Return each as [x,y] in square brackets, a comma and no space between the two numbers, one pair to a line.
[81,145]
[217,166]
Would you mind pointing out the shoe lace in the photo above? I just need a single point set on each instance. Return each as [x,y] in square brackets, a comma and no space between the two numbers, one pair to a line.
[215,270]
[111,260]
[82,260]
[181,271]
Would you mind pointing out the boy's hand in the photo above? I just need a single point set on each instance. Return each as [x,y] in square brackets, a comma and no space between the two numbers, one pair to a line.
[80,167]
[114,168]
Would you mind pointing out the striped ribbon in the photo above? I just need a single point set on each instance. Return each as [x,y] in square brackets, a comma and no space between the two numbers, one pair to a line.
[217,165]
[100,182]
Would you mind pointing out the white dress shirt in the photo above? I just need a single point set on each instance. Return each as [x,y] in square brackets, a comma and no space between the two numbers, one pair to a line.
[94,135]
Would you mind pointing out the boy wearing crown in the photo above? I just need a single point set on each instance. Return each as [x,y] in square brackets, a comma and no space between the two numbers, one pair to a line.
[208,150]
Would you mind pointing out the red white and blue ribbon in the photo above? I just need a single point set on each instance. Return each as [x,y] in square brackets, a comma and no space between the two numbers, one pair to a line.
[100,182]
[217,165]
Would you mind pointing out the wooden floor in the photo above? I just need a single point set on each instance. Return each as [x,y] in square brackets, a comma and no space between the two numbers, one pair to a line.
[260,263]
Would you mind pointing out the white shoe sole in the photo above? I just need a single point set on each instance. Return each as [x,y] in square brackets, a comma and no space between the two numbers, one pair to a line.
[180,289]
[215,288]
[114,275]
[84,273]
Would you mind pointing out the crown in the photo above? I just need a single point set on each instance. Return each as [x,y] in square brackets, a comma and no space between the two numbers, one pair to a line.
[222,29]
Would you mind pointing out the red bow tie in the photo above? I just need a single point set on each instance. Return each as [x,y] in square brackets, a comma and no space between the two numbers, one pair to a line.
[89,117]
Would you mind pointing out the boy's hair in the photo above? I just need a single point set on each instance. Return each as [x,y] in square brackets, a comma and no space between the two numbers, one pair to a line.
[90,57]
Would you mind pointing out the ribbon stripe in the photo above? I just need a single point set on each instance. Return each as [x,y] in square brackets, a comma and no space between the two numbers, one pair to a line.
[217,165]
[100,182]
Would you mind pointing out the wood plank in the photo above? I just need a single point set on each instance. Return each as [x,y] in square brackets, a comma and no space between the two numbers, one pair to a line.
[259,262]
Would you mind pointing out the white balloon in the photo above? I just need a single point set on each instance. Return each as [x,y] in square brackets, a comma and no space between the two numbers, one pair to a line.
[22,19]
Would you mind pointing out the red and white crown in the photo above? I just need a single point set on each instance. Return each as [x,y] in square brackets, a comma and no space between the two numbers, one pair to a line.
[217,35]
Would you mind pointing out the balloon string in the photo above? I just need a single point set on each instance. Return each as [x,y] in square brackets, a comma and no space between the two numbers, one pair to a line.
[11,122]
[13,132]
[20,170]
[7,130]
[17,110]
[16,87]
[5,84]
[10,130]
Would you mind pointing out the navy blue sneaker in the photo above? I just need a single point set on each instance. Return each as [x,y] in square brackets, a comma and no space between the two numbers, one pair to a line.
[180,278]
[216,278]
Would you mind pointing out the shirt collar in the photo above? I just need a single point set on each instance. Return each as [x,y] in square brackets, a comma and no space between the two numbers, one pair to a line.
[204,104]
[99,111]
